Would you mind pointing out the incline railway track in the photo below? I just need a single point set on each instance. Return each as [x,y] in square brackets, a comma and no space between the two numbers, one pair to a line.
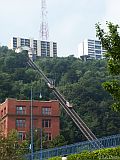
[69,109]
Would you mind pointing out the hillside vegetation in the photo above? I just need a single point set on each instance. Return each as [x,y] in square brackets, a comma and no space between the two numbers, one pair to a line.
[80,83]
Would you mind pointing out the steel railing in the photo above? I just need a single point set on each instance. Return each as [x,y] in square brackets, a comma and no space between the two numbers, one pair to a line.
[107,142]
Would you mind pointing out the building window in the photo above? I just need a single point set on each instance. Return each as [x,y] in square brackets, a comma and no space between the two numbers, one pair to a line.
[35,108]
[90,50]
[4,124]
[97,47]
[46,110]
[98,56]
[98,51]
[90,40]
[46,123]
[5,110]
[98,42]
[35,123]
[48,136]
[20,123]
[20,110]
[21,136]
[2,113]
[14,39]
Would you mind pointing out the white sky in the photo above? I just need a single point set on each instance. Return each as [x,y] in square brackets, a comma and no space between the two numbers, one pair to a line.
[70,21]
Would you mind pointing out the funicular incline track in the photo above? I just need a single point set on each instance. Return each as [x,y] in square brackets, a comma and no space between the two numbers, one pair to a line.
[70,111]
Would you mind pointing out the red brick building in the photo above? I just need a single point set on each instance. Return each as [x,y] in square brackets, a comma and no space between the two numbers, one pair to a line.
[16,114]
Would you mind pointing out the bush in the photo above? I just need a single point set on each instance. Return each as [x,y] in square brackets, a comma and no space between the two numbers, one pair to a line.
[102,154]
[56,158]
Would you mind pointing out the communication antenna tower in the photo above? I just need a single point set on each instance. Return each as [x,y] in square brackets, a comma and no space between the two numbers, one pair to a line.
[44,31]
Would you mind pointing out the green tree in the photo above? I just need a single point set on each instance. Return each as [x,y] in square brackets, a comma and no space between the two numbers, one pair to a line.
[111,42]
[58,141]
[10,147]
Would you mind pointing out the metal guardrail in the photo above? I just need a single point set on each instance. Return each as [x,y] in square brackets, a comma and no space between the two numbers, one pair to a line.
[106,142]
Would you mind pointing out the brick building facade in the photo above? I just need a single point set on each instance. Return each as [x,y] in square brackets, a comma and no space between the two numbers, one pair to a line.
[16,114]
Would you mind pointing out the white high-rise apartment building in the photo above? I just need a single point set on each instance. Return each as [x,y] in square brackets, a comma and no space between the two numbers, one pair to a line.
[41,48]
[91,48]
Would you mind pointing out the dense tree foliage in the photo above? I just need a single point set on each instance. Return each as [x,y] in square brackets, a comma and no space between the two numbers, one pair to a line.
[111,42]
[79,82]
[10,148]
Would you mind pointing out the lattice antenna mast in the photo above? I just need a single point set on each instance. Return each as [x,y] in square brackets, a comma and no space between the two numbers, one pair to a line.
[44,31]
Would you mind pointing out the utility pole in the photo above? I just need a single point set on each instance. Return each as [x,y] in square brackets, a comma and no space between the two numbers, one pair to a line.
[41,142]
[31,120]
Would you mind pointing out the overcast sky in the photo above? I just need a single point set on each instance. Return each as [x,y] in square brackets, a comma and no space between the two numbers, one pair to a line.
[70,21]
